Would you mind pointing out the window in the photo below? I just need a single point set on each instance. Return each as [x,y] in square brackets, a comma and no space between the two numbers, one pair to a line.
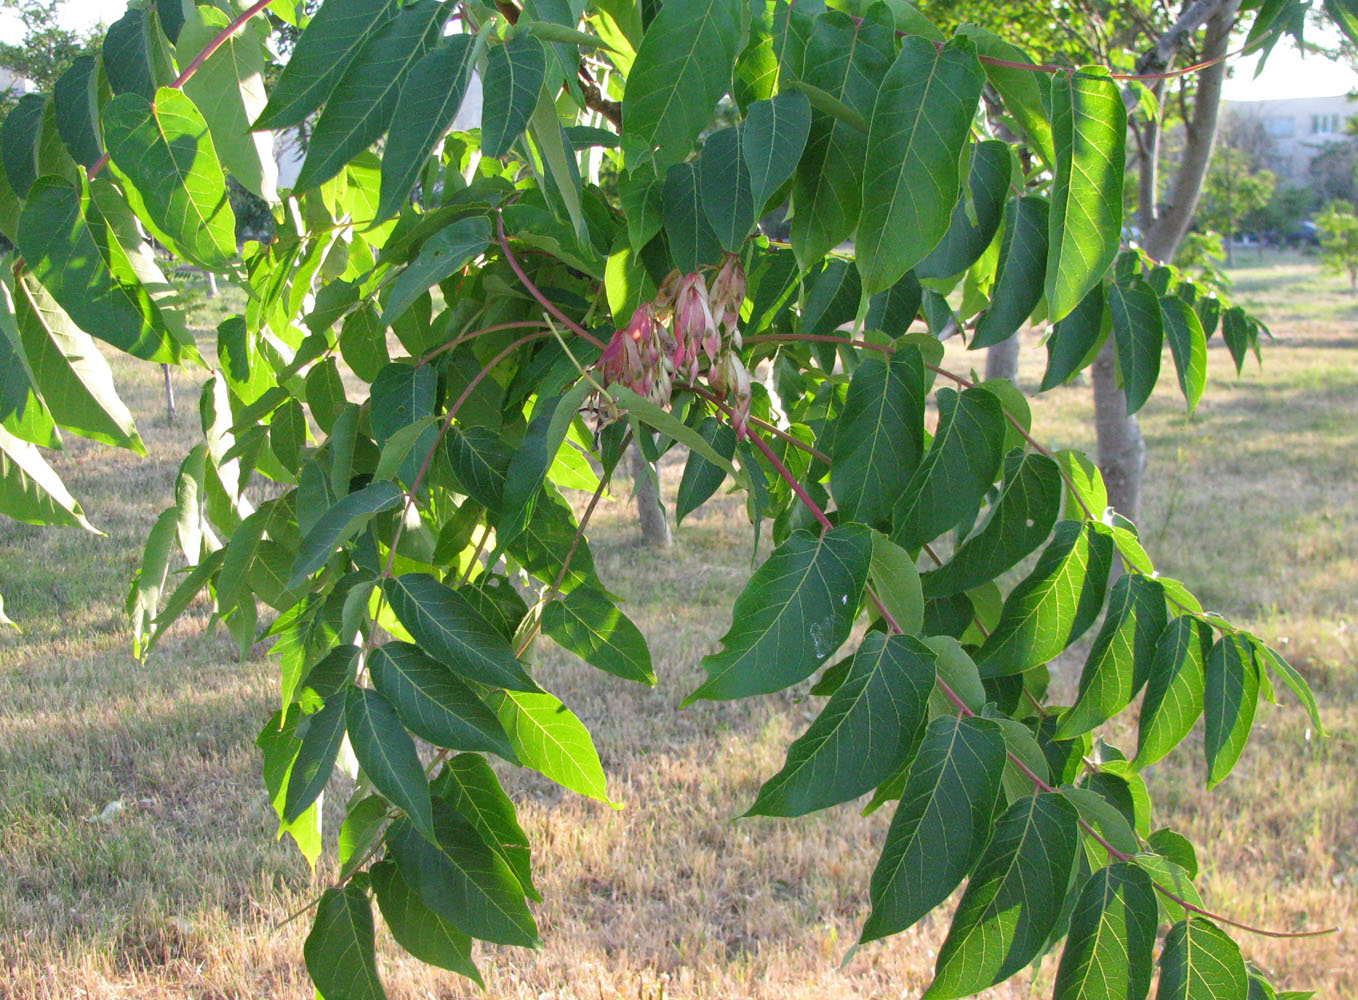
[1280,128]
[1324,124]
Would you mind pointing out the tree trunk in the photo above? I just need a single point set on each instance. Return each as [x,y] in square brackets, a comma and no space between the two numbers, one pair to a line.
[211,284]
[1002,360]
[1122,451]
[655,527]
[170,412]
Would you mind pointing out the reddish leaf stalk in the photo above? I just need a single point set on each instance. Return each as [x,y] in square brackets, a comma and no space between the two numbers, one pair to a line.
[537,292]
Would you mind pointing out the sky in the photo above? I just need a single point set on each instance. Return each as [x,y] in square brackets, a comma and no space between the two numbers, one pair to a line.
[1286,74]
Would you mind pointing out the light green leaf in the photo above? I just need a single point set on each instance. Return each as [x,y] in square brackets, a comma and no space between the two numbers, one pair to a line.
[772,138]
[669,425]
[1022,89]
[879,435]
[1200,962]
[961,465]
[896,582]
[1174,690]
[30,491]
[433,703]
[1295,682]
[1138,332]
[1111,937]
[22,411]
[340,951]
[1054,604]
[1013,899]
[920,123]
[941,824]
[682,68]
[1229,700]
[1018,283]
[452,631]
[794,612]
[1089,126]
[418,929]
[548,738]
[866,730]
[587,623]
[386,753]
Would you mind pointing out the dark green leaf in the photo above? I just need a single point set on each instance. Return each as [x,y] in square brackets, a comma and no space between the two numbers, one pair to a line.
[469,784]
[1018,284]
[1013,899]
[879,436]
[1229,700]
[1023,90]
[965,241]
[542,546]
[1235,330]
[1054,604]
[1174,690]
[387,754]
[1089,125]
[1121,658]
[324,52]
[865,731]
[418,929]
[725,187]
[127,55]
[961,465]
[480,460]
[340,951]
[443,254]
[693,242]
[428,104]
[339,524]
[1020,519]
[514,74]
[772,138]
[920,123]
[794,612]
[19,138]
[1200,962]
[1111,937]
[587,623]
[1296,683]
[1138,332]
[548,737]
[941,824]
[682,68]
[316,758]
[75,100]
[401,395]
[449,629]
[359,109]
[1188,345]
[363,343]
[527,471]
[701,478]
[1075,340]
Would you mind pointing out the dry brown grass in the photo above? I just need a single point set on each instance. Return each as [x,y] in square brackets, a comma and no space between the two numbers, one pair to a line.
[179,894]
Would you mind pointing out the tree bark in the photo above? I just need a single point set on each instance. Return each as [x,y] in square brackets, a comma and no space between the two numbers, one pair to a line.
[1002,360]
[1122,450]
[655,527]
[171,414]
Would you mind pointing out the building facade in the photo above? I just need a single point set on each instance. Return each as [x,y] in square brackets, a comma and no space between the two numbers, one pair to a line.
[1297,130]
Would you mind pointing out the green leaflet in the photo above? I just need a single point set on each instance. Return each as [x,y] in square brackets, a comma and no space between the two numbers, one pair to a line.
[1112,934]
[920,122]
[30,491]
[879,437]
[1174,690]
[724,185]
[177,187]
[1018,285]
[387,754]
[479,460]
[469,784]
[1075,340]
[1053,605]
[682,69]
[1200,962]
[228,89]
[587,623]
[359,109]
[514,75]
[418,929]
[845,60]
[794,612]
[76,103]
[19,142]
[866,730]
[1187,344]
[22,410]
[427,107]
[443,255]
[1013,899]
[965,241]
[692,240]
[642,195]
[1121,658]
[896,582]
[452,631]
[772,138]
[1020,519]
[1229,700]
[1089,124]
[315,758]
[1022,89]
[551,740]
[1295,682]
[941,824]
[324,52]
[340,951]
[433,703]
[702,478]
[70,249]
[831,302]
[552,417]
[363,342]
[960,466]
[401,396]
[1235,331]
[76,381]
[459,877]
[144,595]
[542,545]
[1138,333]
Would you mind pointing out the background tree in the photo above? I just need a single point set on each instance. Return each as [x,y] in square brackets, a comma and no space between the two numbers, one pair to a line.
[1339,240]
[46,48]
[1234,188]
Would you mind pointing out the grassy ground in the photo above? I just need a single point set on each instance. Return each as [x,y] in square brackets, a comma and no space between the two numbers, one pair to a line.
[178,894]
